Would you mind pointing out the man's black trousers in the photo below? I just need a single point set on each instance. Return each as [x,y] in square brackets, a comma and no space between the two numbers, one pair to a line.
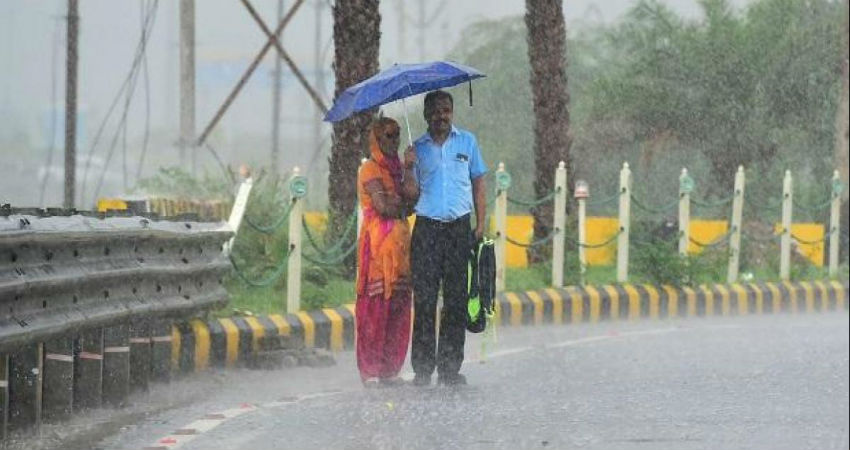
[439,256]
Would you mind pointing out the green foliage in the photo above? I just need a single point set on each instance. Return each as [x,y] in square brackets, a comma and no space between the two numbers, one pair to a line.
[734,86]
[756,86]
[175,182]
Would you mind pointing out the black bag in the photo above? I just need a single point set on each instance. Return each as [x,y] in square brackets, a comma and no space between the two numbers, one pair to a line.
[481,285]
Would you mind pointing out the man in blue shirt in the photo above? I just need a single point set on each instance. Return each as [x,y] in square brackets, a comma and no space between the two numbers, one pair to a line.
[450,173]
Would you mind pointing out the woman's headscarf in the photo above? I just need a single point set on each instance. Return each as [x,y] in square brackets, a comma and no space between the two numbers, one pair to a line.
[390,163]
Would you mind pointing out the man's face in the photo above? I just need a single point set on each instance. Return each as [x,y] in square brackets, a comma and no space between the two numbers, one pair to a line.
[439,116]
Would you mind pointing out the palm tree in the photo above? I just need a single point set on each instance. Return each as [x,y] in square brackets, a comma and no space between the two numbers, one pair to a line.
[357,35]
[544,20]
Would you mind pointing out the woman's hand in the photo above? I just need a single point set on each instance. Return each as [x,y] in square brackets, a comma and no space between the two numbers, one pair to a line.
[393,201]
[409,157]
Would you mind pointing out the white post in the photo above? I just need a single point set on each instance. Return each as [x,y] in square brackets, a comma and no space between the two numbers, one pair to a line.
[238,211]
[187,82]
[293,278]
[582,238]
[501,215]
[685,188]
[835,224]
[623,238]
[359,209]
[560,221]
[735,232]
[785,242]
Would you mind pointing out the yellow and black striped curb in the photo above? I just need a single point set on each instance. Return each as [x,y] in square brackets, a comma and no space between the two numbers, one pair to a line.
[641,301]
[229,342]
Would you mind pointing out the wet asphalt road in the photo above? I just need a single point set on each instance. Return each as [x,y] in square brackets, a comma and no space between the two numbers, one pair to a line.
[741,383]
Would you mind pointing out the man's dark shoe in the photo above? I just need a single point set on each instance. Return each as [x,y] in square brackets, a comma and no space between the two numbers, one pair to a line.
[421,380]
[452,380]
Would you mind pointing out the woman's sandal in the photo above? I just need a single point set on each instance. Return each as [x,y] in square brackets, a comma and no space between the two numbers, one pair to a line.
[371,383]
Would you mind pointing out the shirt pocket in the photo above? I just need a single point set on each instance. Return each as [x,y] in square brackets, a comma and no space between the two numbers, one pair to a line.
[460,171]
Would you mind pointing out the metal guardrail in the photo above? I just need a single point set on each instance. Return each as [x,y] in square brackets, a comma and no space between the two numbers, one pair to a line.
[79,290]
[60,275]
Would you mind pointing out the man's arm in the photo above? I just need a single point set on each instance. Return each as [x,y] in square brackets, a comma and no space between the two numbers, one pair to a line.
[479,197]
[477,170]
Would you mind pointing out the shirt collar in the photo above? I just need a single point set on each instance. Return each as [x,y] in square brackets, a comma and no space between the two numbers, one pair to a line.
[427,136]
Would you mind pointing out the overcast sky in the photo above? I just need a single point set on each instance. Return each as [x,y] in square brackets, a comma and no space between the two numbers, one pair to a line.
[32,46]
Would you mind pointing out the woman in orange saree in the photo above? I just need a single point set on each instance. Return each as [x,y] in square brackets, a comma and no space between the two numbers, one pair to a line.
[387,191]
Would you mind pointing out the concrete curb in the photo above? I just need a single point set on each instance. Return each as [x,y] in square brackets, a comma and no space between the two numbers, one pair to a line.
[230,342]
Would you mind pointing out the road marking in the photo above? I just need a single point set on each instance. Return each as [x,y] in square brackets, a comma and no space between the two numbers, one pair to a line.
[189,432]
[192,430]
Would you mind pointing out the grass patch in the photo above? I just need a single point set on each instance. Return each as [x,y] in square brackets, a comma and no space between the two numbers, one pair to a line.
[245,300]
[526,278]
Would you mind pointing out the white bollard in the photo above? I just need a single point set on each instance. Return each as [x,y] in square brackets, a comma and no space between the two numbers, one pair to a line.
[238,212]
[835,224]
[501,216]
[787,213]
[686,186]
[623,237]
[582,193]
[735,232]
[559,225]
[293,274]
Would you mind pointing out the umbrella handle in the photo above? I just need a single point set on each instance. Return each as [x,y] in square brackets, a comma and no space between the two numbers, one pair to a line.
[407,123]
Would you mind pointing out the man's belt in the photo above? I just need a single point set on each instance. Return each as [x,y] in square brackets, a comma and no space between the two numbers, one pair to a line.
[437,223]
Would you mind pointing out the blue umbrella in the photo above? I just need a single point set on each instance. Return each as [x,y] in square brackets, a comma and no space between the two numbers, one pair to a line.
[397,83]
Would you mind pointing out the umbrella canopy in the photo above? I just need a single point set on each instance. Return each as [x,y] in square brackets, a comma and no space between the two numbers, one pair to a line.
[398,82]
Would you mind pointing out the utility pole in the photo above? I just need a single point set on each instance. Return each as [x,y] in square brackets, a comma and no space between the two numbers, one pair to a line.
[187,81]
[421,27]
[275,156]
[320,73]
[71,103]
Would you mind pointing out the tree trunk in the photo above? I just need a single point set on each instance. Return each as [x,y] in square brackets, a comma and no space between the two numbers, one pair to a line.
[544,20]
[842,114]
[357,35]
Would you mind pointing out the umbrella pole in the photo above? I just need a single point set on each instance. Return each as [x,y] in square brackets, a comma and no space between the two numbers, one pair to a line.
[407,123]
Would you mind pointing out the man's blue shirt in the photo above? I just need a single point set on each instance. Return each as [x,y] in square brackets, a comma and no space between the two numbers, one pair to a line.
[445,174]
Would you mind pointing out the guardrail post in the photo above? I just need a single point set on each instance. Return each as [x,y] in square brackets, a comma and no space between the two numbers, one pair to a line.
[58,386]
[500,214]
[25,381]
[623,237]
[238,211]
[559,225]
[293,273]
[582,193]
[116,364]
[835,224]
[161,350]
[88,370]
[4,395]
[140,354]
[686,186]
[735,232]
[787,213]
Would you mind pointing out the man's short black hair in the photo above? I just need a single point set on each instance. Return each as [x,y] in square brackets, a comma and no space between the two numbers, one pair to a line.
[432,97]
